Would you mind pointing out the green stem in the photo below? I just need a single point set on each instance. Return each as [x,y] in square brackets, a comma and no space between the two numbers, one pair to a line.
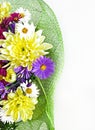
[52,124]
[46,101]
[42,89]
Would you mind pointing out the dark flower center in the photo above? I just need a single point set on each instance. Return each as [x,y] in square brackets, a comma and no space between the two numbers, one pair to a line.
[23,49]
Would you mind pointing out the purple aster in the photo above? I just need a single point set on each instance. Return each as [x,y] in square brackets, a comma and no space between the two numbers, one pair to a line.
[3,91]
[43,67]
[23,73]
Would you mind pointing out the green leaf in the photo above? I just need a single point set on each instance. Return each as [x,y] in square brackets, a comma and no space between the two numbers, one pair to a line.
[33,125]
[44,18]
[43,126]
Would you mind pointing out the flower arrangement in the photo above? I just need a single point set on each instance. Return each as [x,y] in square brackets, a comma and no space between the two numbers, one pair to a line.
[23,57]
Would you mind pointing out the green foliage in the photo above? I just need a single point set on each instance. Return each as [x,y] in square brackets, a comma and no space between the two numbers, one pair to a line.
[43,18]
[7,126]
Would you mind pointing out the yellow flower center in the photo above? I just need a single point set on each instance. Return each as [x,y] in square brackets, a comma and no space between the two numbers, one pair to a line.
[16,19]
[22,15]
[0,66]
[29,90]
[24,30]
[43,67]
[1,77]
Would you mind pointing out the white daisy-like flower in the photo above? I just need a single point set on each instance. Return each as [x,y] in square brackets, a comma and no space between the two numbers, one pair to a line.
[24,14]
[25,30]
[4,118]
[30,91]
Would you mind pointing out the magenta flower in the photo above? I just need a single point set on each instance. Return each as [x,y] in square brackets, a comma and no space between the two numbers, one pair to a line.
[1,33]
[3,72]
[15,17]
[5,24]
[4,27]
[43,67]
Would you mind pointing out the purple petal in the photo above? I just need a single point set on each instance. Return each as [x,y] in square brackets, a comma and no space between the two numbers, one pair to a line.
[18,69]
[12,27]
[43,74]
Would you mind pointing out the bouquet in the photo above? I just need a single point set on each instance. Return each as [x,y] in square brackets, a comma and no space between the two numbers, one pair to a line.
[24,63]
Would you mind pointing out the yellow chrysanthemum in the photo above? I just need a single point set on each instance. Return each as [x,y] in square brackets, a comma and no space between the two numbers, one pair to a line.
[21,51]
[4,10]
[11,76]
[19,106]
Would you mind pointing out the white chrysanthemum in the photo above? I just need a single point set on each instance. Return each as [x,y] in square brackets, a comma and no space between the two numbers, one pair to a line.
[30,91]
[25,30]
[4,118]
[24,13]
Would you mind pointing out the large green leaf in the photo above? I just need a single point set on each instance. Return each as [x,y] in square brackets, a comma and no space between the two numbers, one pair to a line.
[44,18]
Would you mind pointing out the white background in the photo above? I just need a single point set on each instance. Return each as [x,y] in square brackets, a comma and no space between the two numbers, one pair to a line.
[75,93]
